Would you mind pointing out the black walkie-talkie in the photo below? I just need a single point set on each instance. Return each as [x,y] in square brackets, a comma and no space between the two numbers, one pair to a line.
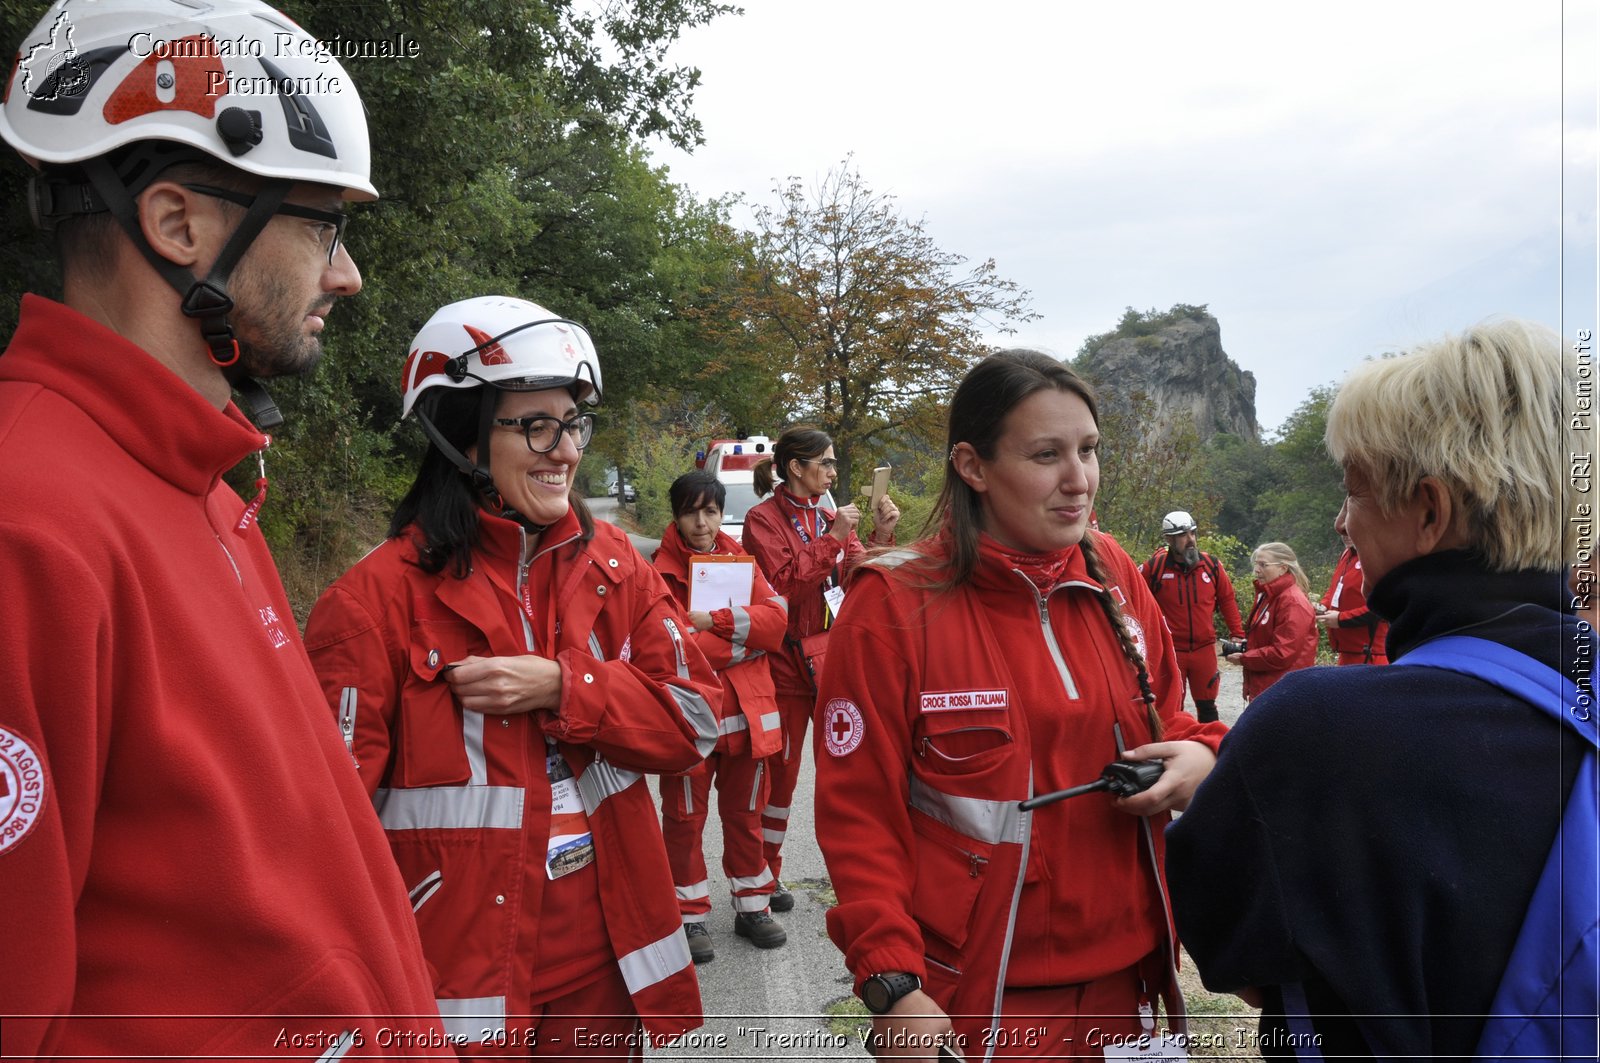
[1124,778]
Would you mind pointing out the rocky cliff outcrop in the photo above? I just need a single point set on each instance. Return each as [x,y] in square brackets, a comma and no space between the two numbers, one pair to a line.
[1181,367]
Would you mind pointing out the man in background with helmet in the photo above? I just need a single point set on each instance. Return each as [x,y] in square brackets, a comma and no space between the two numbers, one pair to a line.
[190,864]
[1191,586]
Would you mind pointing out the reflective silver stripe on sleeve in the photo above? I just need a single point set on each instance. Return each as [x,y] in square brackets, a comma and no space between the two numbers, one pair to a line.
[783,603]
[750,882]
[472,1017]
[347,718]
[697,711]
[773,836]
[677,646]
[472,737]
[775,812]
[656,962]
[771,721]
[450,808]
[601,780]
[733,724]
[987,821]
[741,633]
[893,558]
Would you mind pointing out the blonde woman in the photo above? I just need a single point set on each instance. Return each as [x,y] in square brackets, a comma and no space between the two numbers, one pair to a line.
[1375,845]
[1281,634]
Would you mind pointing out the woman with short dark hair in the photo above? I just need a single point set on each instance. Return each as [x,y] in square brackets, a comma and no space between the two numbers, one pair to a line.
[738,640]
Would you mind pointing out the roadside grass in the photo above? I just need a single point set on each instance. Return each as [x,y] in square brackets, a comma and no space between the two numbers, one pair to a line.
[1221,1026]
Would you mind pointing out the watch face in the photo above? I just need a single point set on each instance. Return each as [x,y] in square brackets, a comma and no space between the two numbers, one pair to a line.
[875,994]
[880,992]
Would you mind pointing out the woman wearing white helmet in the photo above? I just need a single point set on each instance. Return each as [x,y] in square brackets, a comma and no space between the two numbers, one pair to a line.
[504,669]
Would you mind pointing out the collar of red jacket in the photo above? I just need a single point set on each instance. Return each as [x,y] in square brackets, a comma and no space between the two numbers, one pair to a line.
[674,552]
[998,566]
[1275,586]
[156,416]
[802,501]
[502,538]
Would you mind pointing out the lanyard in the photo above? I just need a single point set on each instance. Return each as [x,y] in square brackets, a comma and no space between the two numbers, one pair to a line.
[832,578]
[800,529]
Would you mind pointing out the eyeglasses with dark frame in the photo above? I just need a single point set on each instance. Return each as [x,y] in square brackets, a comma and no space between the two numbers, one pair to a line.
[337,219]
[543,433]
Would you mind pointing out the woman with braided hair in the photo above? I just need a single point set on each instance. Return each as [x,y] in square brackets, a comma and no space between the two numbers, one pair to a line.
[1012,653]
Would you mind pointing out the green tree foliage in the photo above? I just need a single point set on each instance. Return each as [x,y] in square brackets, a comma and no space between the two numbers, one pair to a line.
[1286,489]
[1142,470]
[1300,507]
[867,323]
[1136,324]
[507,154]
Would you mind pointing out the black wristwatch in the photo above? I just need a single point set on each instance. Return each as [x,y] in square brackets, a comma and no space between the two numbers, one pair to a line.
[880,991]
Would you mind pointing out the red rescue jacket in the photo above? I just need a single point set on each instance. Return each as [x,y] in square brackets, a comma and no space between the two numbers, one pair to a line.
[737,645]
[465,797]
[800,566]
[1280,636]
[189,867]
[1189,597]
[937,715]
[1359,634]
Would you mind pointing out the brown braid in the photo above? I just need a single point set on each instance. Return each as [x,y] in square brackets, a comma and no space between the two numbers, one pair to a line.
[1108,605]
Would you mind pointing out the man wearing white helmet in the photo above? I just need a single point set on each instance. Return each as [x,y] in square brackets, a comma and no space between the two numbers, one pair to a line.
[189,864]
[505,670]
[1191,586]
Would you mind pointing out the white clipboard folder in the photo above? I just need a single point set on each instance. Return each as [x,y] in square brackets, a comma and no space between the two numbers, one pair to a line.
[720,581]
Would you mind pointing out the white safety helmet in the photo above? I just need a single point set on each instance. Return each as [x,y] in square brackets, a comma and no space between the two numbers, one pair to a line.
[491,344]
[105,95]
[500,340]
[1177,522]
[234,79]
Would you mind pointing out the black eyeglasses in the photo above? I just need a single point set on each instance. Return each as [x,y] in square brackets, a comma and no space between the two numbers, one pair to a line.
[330,236]
[543,432]
[826,463]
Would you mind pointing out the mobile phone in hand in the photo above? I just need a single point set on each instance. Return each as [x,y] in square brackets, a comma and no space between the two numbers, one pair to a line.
[880,487]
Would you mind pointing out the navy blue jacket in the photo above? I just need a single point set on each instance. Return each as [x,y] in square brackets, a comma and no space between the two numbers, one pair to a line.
[1375,833]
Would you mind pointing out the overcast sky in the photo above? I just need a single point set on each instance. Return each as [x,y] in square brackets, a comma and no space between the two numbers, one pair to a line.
[1333,180]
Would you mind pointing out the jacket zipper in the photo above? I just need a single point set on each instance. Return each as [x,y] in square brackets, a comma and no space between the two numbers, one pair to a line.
[522,581]
[1050,637]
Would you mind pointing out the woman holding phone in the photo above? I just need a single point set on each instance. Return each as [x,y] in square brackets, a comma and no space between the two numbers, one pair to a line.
[805,549]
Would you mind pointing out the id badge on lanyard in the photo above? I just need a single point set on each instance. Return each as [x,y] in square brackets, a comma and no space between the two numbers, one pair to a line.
[832,593]
[571,844]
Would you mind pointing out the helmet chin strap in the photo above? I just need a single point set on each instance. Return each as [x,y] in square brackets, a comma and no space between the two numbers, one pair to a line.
[477,475]
[206,301]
